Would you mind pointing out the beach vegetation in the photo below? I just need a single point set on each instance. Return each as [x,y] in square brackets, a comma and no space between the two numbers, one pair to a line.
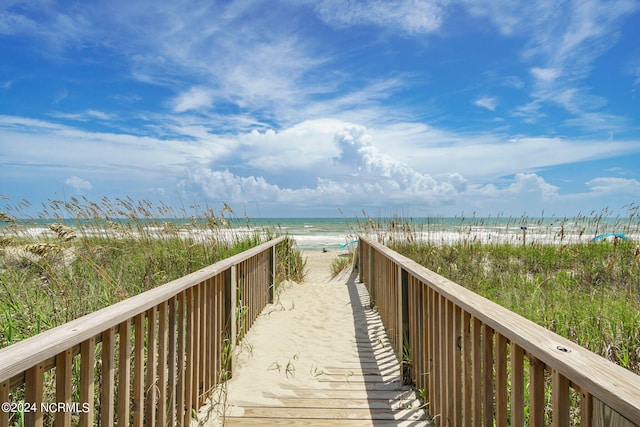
[586,290]
[341,263]
[78,256]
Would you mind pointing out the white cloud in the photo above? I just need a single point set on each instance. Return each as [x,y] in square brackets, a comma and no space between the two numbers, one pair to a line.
[563,42]
[490,103]
[48,145]
[318,164]
[599,122]
[12,23]
[79,184]
[298,147]
[413,156]
[407,16]
[84,116]
[223,185]
[545,75]
[488,156]
[193,99]
[99,115]
[615,185]
[54,28]
[357,173]
[530,183]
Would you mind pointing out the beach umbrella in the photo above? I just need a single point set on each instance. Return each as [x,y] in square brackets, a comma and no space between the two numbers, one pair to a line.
[607,235]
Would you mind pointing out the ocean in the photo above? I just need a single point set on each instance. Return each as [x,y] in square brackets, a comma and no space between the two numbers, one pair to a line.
[333,234]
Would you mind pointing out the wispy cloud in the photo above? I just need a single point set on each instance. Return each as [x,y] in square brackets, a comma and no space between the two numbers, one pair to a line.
[84,116]
[13,23]
[411,17]
[193,99]
[490,103]
[489,156]
[564,41]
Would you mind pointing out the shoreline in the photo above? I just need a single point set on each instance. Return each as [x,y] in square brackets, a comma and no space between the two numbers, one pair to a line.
[331,234]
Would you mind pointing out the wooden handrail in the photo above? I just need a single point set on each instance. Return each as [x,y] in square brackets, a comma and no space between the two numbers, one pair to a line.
[464,351]
[178,336]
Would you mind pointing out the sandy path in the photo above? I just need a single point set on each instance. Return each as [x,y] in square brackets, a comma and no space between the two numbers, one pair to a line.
[320,349]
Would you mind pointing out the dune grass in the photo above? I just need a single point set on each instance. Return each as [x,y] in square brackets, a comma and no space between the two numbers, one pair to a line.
[76,257]
[586,291]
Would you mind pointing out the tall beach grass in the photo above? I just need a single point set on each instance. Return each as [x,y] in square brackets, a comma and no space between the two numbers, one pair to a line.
[75,257]
[552,272]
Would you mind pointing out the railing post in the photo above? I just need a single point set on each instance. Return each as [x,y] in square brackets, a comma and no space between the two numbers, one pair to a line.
[272,273]
[371,278]
[403,324]
[359,256]
[231,294]
[399,330]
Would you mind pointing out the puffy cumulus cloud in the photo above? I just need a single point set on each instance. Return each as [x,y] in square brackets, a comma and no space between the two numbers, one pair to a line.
[356,174]
[366,164]
[224,185]
[526,183]
[301,146]
[345,168]
[523,184]
[353,143]
[78,184]
[522,192]
[458,181]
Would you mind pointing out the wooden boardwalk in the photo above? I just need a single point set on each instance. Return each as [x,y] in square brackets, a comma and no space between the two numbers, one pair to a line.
[318,356]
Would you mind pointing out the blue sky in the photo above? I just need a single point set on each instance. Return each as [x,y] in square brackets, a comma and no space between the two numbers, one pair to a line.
[325,107]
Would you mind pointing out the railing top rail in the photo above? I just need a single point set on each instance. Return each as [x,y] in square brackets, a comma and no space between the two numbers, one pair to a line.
[612,384]
[23,355]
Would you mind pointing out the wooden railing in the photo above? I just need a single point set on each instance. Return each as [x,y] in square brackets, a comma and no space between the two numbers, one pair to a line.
[149,360]
[478,364]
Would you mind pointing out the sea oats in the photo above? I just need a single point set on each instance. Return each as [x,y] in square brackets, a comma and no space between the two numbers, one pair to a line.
[43,249]
[64,233]
[170,228]
[6,218]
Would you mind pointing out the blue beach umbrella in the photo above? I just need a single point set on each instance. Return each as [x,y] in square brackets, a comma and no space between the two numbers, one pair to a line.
[604,236]
[344,245]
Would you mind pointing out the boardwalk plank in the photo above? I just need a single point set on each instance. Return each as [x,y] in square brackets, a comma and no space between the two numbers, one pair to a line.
[319,423]
[337,413]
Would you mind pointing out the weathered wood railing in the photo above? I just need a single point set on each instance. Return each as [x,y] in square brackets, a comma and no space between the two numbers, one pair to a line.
[480,364]
[149,360]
